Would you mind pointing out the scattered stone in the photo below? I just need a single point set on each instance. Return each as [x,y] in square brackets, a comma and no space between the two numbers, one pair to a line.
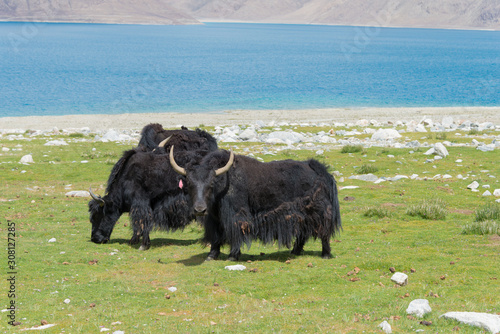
[385,326]
[385,134]
[78,193]
[348,187]
[172,289]
[496,193]
[37,328]
[392,270]
[364,177]
[5,149]
[441,150]
[235,267]
[118,332]
[473,185]
[104,329]
[55,143]
[52,240]
[67,301]
[419,307]
[287,137]
[27,159]
[400,278]
[486,193]
[426,323]
[490,322]
[447,122]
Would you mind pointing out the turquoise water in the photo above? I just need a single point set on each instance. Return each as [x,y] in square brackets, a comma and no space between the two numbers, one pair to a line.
[58,69]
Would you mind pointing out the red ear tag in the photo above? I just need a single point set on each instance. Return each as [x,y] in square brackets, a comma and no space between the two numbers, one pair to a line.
[181,184]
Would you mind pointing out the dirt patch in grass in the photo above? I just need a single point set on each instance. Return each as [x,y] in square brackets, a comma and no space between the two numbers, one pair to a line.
[462,211]
[446,189]
[392,205]
[495,241]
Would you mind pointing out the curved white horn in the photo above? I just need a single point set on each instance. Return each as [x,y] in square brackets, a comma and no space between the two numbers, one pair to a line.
[96,197]
[164,141]
[174,165]
[224,169]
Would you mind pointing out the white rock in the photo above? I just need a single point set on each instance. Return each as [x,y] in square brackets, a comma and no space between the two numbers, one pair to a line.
[104,329]
[362,122]
[55,143]
[420,128]
[419,307]
[236,267]
[52,240]
[490,322]
[27,159]
[5,149]
[487,193]
[288,137]
[458,161]
[447,176]
[348,187]
[385,327]
[385,134]
[67,301]
[447,122]
[400,278]
[473,185]
[496,193]
[38,328]
[249,134]
[430,151]
[486,148]
[111,135]
[78,193]
[364,177]
[172,289]
[441,150]
[118,332]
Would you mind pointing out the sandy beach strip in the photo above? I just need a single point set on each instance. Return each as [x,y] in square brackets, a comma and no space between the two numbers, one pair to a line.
[246,117]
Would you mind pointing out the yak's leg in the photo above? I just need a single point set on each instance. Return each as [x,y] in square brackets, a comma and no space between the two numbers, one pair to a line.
[298,246]
[141,217]
[235,253]
[213,235]
[214,252]
[326,253]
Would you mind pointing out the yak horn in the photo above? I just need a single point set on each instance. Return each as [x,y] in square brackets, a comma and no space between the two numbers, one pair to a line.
[227,166]
[174,164]
[164,141]
[95,197]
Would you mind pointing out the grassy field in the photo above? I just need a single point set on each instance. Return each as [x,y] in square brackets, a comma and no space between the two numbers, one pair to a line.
[115,286]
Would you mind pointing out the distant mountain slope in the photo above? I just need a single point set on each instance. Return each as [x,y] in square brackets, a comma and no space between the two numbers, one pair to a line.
[475,14]
[94,11]
[465,14]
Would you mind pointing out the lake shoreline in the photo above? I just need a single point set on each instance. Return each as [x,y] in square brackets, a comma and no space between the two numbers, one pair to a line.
[135,121]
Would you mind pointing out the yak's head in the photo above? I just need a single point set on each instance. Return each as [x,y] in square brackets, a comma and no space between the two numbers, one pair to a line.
[200,180]
[101,218]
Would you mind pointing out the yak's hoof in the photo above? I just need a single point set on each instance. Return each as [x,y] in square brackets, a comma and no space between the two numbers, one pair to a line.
[210,258]
[326,256]
[143,248]
[232,258]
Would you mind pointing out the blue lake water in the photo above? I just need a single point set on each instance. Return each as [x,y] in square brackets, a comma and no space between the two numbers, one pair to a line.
[58,69]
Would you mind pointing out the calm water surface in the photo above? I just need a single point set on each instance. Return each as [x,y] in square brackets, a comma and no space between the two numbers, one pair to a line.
[58,69]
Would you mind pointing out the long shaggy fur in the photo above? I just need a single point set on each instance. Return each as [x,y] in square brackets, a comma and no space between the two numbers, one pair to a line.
[282,201]
[144,184]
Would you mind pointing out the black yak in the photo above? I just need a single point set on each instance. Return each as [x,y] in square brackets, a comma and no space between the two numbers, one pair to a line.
[243,199]
[144,184]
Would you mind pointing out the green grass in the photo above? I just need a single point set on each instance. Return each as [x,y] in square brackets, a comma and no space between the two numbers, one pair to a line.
[367,169]
[483,227]
[130,286]
[432,209]
[490,211]
[351,149]
[376,211]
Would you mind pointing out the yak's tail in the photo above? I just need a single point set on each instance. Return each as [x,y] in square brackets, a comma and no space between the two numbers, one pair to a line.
[118,167]
[322,171]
